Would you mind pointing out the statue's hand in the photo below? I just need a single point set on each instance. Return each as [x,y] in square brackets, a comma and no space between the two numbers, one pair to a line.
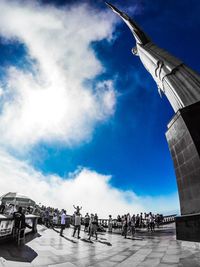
[134,51]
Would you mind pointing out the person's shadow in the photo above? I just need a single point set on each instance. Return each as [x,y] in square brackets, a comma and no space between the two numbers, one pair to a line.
[23,253]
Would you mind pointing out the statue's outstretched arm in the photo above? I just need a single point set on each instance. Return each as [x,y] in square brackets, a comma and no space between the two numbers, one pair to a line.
[139,35]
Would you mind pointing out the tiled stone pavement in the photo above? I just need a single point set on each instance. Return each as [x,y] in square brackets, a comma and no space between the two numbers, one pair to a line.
[146,250]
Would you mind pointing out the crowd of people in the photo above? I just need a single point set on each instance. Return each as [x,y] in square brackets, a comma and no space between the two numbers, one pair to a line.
[129,224]
[125,224]
[52,217]
[90,223]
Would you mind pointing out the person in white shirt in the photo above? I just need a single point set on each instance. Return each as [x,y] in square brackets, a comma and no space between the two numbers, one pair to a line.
[77,224]
[63,221]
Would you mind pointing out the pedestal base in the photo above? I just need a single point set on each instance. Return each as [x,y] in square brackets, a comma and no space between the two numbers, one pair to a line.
[188,227]
[183,137]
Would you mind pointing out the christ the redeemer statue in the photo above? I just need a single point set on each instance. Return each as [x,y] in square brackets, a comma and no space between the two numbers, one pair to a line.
[179,83]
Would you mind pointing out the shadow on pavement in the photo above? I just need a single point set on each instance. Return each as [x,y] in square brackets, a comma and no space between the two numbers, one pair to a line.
[105,243]
[86,240]
[23,253]
[66,238]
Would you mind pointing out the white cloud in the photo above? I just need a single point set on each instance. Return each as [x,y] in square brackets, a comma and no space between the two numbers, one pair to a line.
[85,187]
[49,101]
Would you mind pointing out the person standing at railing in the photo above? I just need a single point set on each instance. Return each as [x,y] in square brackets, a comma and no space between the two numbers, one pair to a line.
[137,221]
[124,226]
[20,224]
[128,223]
[145,219]
[157,220]
[91,226]
[110,224]
[151,222]
[133,225]
[46,217]
[162,218]
[119,222]
[19,219]
[141,220]
[148,222]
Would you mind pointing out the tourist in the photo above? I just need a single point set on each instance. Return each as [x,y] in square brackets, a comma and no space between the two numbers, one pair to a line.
[148,222]
[105,224]
[20,222]
[63,221]
[128,216]
[124,226]
[55,218]
[110,224]
[46,217]
[151,222]
[77,209]
[133,225]
[114,224]
[86,222]
[77,224]
[93,225]
[19,218]
[119,222]
[141,220]
[145,219]
[158,219]
[122,221]
[137,221]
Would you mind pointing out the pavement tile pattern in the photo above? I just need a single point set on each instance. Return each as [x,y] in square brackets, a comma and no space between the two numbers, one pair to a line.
[47,248]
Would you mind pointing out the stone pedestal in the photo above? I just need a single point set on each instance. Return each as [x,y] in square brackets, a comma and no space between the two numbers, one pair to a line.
[183,137]
[188,227]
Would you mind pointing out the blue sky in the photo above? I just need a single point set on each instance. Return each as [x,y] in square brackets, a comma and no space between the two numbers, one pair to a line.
[131,145]
[127,140]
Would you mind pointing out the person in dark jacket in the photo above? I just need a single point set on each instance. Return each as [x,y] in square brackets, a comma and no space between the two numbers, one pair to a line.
[20,221]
